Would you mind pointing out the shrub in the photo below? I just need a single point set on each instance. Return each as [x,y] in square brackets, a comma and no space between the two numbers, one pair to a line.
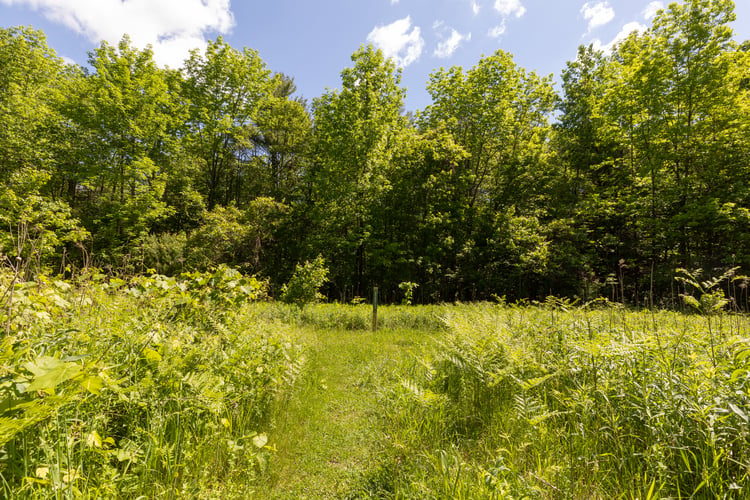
[304,285]
[165,253]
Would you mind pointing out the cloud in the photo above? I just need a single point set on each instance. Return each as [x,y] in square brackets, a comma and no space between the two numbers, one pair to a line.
[507,8]
[475,7]
[497,31]
[622,35]
[450,40]
[171,27]
[651,9]
[597,14]
[399,41]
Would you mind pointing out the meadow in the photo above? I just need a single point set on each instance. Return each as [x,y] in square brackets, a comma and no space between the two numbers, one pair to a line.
[201,387]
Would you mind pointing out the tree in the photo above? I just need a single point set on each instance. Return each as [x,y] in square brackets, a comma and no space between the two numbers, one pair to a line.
[671,100]
[596,185]
[126,113]
[281,138]
[498,114]
[355,132]
[304,285]
[224,89]
[32,82]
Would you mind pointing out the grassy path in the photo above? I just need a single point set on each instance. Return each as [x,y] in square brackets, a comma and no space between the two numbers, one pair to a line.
[326,432]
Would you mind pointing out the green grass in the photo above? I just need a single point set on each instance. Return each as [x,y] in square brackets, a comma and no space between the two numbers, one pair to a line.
[543,402]
[327,430]
[153,388]
[190,389]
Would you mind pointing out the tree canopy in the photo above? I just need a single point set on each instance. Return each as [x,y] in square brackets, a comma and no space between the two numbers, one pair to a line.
[502,186]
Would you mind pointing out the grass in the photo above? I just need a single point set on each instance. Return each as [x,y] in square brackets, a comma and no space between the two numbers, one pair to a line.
[154,388]
[164,388]
[543,402]
[327,430]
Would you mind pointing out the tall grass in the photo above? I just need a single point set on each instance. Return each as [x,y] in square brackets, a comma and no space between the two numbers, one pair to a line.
[165,387]
[554,401]
[158,387]
[355,316]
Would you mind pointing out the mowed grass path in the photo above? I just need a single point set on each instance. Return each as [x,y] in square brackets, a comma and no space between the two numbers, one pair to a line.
[327,432]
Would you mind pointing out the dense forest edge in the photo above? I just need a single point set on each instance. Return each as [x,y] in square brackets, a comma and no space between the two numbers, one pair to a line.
[502,187]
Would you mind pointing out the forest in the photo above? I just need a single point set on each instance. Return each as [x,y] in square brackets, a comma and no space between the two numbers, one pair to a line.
[635,165]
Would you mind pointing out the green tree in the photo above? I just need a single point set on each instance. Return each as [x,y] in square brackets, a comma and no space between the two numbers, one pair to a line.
[224,88]
[356,131]
[33,79]
[281,140]
[418,216]
[304,285]
[595,184]
[125,112]
[672,101]
[498,113]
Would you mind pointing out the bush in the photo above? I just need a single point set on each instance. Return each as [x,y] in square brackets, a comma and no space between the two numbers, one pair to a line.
[168,397]
[304,285]
[165,253]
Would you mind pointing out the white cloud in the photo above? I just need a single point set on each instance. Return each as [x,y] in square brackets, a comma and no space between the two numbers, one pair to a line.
[507,8]
[497,31]
[399,41]
[450,40]
[171,27]
[597,14]
[651,9]
[475,7]
[622,35]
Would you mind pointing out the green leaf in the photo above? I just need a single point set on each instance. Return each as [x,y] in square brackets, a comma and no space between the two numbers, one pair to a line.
[739,412]
[260,440]
[93,384]
[49,373]
[691,301]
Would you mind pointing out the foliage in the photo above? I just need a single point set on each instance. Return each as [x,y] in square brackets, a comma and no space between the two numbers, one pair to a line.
[304,285]
[408,288]
[712,298]
[224,89]
[591,400]
[164,253]
[643,170]
[170,396]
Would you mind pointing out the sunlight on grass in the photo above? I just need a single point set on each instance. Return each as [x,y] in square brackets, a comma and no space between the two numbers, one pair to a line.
[166,388]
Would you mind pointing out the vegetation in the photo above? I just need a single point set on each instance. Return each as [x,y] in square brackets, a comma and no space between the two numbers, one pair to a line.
[559,401]
[154,387]
[501,186]
[148,217]
[305,283]
[194,386]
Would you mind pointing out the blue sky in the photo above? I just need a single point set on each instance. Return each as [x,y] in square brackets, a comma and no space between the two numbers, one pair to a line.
[313,40]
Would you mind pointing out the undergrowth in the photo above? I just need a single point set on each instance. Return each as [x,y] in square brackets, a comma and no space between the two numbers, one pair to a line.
[557,401]
[159,387]
[154,387]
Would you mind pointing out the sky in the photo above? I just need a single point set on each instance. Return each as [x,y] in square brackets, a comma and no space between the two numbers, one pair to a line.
[312,40]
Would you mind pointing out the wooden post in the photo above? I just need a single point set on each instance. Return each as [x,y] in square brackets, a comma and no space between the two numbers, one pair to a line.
[375,309]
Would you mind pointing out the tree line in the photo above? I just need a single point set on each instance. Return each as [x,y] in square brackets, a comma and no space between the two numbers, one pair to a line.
[637,165]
